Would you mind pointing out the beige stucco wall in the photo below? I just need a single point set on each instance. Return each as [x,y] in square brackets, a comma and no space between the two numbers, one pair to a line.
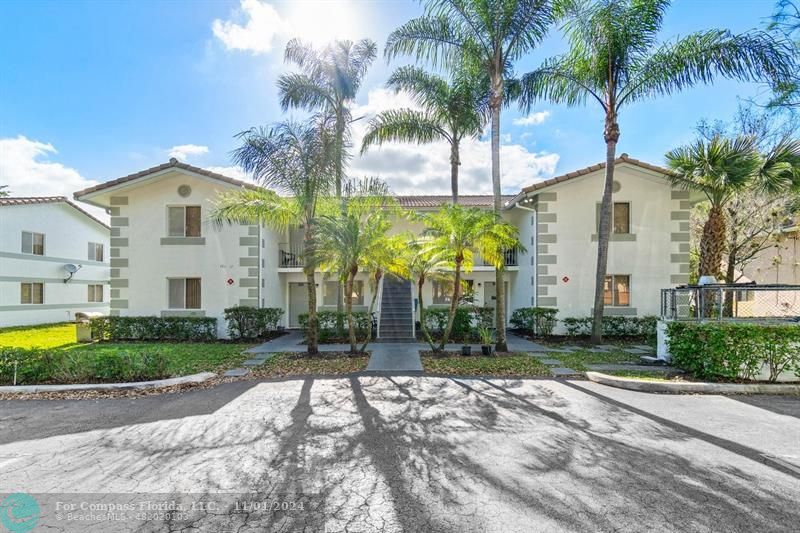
[655,255]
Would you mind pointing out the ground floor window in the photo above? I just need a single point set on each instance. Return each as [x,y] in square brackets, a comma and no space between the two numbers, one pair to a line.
[95,293]
[443,290]
[32,293]
[329,292]
[618,290]
[184,293]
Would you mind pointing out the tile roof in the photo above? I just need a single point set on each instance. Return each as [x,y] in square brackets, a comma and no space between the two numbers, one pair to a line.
[412,201]
[624,158]
[32,200]
[172,163]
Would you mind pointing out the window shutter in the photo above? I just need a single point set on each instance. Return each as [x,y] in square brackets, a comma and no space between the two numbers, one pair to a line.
[193,293]
[176,221]
[177,293]
[27,242]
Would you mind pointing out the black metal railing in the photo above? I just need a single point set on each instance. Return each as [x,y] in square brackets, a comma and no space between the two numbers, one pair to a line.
[731,302]
[290,255]
[509,258]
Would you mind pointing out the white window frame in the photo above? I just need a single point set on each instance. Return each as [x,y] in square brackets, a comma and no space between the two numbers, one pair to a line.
[31,283]
[32,234]
[93,249]
[185,225]
[614,293]
[185,281]
[92,292]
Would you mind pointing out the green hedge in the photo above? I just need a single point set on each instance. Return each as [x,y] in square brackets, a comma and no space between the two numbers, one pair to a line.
[537,321]
[51,366]
[153,328]
[250,322]
[333,325]
[467,319]
[724,350]
[614,326]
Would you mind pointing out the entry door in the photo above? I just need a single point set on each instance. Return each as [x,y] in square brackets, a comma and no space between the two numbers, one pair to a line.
[298,303]
[490,296]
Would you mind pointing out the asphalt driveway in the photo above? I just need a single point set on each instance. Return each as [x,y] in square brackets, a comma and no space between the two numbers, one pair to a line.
[409,454]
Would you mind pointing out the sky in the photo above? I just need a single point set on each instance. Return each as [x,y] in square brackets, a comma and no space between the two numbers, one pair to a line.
[92,91]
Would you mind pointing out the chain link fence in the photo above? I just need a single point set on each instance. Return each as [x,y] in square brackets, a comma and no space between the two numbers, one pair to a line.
[746,302]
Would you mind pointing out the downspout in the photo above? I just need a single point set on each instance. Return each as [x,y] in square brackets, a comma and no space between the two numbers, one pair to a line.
[535,252]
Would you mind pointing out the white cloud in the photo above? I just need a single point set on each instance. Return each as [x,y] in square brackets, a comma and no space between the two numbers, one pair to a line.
[425,169]
[26,169]
[263,25]
[231,172]
[183,151]
[534,119]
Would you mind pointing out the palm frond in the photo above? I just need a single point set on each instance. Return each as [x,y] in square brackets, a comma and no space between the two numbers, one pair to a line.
[431,39]
[261,207]
[300,90]
[403,125]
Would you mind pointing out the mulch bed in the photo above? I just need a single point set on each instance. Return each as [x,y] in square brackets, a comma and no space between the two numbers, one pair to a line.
[326,355]
[457,353]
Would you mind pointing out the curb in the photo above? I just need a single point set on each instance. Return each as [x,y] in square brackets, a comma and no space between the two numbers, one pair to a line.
[182,380]
[695,388]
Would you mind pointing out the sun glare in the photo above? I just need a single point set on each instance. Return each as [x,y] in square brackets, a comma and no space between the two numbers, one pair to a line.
[321,21]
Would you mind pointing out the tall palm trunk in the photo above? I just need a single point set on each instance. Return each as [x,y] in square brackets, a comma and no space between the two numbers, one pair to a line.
[339,169]
[312,334]
[425,334]
[455,161]
[453,304]
[495,104]
[611,136]
[348,301]
[712,243]
[378,276]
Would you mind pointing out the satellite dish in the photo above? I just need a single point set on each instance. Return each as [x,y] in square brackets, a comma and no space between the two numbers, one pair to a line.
[71,269]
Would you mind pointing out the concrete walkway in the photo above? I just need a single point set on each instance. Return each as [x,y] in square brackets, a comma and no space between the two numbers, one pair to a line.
[386,357]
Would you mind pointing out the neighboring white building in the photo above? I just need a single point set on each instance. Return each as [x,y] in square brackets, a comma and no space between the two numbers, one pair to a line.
[43,239]
[167,260]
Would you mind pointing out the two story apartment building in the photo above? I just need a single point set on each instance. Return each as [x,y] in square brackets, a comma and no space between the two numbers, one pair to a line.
[168,260]
[53,261]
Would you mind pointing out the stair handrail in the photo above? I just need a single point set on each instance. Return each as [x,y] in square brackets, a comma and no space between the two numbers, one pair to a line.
[413,317]
[379,304]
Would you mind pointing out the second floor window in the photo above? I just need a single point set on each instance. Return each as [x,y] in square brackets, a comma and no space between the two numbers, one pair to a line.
[31,293]
[184,221]
[95,293]
[184,293]
[95,251]
[618,290]
[32,243]
[622,217]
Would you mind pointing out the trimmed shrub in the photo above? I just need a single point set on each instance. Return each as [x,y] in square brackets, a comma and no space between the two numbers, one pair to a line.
[49,366]
[251,322]
[333,325]
[537,321]
[154,328]
[613,326]
[436,322]
[725,350]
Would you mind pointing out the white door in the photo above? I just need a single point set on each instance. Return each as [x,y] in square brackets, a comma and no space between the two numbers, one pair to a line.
[298,302]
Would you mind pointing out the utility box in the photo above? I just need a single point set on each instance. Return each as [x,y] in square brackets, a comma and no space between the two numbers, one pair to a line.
[83,328]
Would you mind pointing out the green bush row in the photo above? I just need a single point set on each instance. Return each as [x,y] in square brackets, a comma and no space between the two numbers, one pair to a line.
[251,322]
[536,321]
[333,324]
[613,326]
[724,350]
[153,328]
[464,323]
[50,366]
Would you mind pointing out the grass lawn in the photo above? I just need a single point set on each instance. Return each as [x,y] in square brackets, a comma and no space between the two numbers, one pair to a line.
[579,360]
[44,336]
[656,375]
[179,358]
[294,364]
[512,365]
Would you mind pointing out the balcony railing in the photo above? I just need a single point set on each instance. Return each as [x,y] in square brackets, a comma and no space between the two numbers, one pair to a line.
[290,255]
[510,258]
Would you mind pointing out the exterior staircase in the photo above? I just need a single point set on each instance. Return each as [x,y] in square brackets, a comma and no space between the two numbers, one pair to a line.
[397,319]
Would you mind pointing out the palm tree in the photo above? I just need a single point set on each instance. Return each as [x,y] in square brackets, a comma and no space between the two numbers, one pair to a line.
[3,191]
[486,36]
[358,240]
[329,82]
[456,232]
[615,60]
[295,159]
[721,168]
[450,112]
[426,263]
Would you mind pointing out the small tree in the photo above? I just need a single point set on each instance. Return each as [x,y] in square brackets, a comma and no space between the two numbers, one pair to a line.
[295,159]
[4,192]
[456,233]
[425,263]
